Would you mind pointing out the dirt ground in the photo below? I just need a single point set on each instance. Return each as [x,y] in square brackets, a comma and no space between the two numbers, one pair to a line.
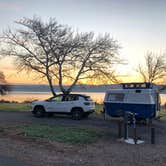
[107,151]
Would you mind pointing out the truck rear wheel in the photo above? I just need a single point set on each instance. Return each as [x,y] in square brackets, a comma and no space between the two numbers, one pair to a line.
[77,114]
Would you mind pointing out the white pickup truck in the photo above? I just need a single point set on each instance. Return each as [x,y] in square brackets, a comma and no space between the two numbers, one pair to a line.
[76,105]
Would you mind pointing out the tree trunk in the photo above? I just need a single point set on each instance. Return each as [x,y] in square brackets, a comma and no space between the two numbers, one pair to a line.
[51,86]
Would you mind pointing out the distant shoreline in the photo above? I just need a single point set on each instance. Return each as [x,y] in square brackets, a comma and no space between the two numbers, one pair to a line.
[35,92]
[78,88]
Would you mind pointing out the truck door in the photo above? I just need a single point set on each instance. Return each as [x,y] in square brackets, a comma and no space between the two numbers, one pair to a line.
[55,104]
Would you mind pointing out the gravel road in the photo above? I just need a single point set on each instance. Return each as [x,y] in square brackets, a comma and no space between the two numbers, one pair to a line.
[108,151]
[27,117]
[9,161]
[94,121]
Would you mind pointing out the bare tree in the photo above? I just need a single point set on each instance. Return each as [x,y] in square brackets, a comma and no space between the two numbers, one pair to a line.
[154,69]
[58,53]
[2,77]
[4,87]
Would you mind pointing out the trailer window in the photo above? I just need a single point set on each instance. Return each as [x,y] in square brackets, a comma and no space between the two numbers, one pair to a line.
[116,97]
[143,85]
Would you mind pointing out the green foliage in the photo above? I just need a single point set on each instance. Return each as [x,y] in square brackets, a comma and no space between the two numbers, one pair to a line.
[99,108]
[162,114]
[14,107]
[62,134]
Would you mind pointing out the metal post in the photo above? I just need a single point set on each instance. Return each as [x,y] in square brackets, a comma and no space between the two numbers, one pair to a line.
[125,126]
[152,135]
[134,129]
[119,129]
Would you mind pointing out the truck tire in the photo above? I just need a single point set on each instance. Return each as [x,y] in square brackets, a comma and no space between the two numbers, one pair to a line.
[39,112]
[77,114]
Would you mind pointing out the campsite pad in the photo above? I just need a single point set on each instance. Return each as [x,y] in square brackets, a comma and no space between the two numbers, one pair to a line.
[9,161]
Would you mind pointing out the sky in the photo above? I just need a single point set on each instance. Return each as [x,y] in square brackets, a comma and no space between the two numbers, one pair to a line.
[139,26]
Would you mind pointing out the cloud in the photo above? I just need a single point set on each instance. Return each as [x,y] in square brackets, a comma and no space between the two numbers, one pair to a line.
[10,6]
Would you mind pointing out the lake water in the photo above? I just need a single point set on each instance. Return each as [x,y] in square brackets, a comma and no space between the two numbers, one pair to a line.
[29,96]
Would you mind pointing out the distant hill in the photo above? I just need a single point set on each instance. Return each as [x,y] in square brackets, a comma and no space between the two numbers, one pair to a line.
[77,88]
[45,88]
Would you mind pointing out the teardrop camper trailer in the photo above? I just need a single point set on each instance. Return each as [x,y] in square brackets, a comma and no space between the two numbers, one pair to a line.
[140,98]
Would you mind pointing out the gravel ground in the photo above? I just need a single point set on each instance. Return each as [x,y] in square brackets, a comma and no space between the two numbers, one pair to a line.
[107,151]
[7,161]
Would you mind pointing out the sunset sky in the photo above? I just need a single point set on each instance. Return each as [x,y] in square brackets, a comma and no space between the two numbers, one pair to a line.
[138,25]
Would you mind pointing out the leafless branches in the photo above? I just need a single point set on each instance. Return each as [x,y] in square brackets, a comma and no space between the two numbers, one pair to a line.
[154,69]
[58,53]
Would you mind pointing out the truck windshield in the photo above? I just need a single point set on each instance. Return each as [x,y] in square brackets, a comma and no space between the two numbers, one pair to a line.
[87,98]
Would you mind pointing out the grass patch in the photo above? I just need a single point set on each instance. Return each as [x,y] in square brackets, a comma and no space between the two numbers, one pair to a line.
[14,107]
[162,114]
[4,106]
[62,134]
[99,107]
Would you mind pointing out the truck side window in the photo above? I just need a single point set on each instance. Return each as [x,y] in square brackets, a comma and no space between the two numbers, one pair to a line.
[57,99]
[116,97]
[70,98]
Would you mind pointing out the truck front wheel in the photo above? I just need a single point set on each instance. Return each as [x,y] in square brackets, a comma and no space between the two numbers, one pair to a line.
[39,112]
